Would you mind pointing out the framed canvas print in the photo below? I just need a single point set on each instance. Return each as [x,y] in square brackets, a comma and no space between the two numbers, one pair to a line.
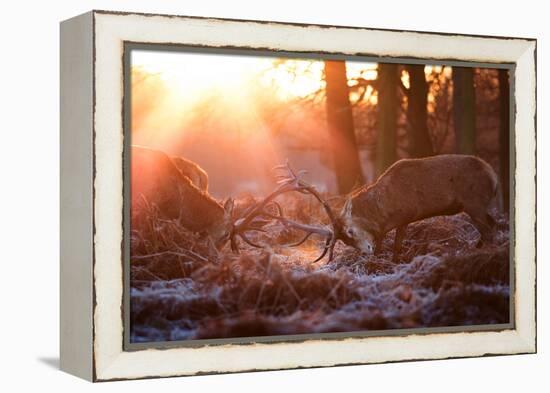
[246,195]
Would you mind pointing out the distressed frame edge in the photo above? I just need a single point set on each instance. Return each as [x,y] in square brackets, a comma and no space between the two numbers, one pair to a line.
[304,24]
[527,340]
[525,90]
[76,196]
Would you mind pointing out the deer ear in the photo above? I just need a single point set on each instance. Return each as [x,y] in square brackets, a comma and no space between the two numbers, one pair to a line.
[228,206]
[347,208]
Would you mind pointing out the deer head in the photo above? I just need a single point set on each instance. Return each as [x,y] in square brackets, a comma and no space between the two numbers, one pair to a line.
[352,230]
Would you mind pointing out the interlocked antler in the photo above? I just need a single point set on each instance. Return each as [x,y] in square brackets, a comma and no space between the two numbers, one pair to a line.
[255,218]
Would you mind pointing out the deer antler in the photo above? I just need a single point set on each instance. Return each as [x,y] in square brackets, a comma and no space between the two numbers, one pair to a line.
[255,218]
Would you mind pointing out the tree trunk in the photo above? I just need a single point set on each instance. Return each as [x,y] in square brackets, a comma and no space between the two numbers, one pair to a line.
[341,128]
[420,143]
[504,137]
[388,101]
[464,110]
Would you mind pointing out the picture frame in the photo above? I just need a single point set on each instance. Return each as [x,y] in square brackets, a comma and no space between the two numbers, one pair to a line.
[94,299]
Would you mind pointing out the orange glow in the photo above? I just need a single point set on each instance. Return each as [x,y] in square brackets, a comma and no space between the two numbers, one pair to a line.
[183,99]
[176,94]
[188,74]
[294,78]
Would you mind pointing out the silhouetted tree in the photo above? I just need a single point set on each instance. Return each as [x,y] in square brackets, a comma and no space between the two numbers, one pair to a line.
[464,109]
[420,144]
[341,128]
[504,137]
[388,102]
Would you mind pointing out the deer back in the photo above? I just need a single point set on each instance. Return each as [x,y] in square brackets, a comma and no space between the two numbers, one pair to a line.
[414,189]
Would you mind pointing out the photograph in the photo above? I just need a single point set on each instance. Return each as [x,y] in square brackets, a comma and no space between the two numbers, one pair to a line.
[270,195]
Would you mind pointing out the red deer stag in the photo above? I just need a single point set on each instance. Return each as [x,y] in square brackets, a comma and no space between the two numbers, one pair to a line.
[415,189]
[177,188]
[410,190]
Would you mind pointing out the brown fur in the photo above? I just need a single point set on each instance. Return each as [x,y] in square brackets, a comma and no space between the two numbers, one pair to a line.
[415,189]
[156,180]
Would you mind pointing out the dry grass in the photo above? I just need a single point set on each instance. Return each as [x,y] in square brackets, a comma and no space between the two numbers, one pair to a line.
[180,289]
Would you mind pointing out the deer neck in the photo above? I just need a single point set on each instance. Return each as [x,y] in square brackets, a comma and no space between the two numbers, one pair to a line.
[367,208]
[201,212]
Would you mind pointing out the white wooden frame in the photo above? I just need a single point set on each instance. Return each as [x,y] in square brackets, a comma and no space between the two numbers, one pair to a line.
[92,195]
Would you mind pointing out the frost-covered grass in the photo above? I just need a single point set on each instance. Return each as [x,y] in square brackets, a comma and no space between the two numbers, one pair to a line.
[182,289]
